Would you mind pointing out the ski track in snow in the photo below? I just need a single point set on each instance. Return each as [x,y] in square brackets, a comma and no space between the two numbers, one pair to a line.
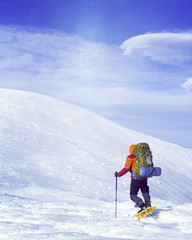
[57,176]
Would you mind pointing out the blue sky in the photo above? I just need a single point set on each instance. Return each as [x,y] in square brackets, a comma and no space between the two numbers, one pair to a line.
[129,61]
[110,21]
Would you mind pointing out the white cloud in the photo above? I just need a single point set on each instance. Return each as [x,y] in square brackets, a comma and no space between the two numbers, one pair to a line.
[167,48]
[57,57]
[188,84]
[80,71]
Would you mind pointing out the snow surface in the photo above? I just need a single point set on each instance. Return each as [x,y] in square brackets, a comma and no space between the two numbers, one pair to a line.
[57,164]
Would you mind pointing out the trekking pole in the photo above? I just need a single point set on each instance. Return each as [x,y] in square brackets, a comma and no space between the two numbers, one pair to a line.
[116,198]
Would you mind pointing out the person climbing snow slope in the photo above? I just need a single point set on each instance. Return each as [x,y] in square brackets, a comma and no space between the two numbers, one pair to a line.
[137,182]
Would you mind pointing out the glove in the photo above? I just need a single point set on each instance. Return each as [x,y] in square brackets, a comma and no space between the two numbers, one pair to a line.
[116,173]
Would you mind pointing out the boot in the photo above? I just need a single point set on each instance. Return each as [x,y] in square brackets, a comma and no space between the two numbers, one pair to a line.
[148,204]
[142,207]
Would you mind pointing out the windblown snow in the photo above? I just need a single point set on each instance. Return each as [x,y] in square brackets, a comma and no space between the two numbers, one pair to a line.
[57,164]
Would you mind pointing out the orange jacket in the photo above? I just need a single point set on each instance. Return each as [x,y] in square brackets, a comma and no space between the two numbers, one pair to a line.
[130,162]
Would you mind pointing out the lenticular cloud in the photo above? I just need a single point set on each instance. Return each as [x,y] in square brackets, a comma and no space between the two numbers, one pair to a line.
[167,48]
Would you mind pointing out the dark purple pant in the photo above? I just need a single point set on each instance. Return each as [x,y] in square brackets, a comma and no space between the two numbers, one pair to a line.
[137,185]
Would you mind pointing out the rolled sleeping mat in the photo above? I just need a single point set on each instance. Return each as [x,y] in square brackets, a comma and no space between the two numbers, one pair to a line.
[150,171]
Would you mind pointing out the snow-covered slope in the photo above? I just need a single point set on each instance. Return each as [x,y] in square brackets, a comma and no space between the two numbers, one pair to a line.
[58,161]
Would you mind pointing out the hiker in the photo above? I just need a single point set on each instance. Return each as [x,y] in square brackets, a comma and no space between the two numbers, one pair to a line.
[137,182]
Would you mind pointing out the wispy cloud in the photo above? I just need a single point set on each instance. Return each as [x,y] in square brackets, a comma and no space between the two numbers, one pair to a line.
[150,71]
